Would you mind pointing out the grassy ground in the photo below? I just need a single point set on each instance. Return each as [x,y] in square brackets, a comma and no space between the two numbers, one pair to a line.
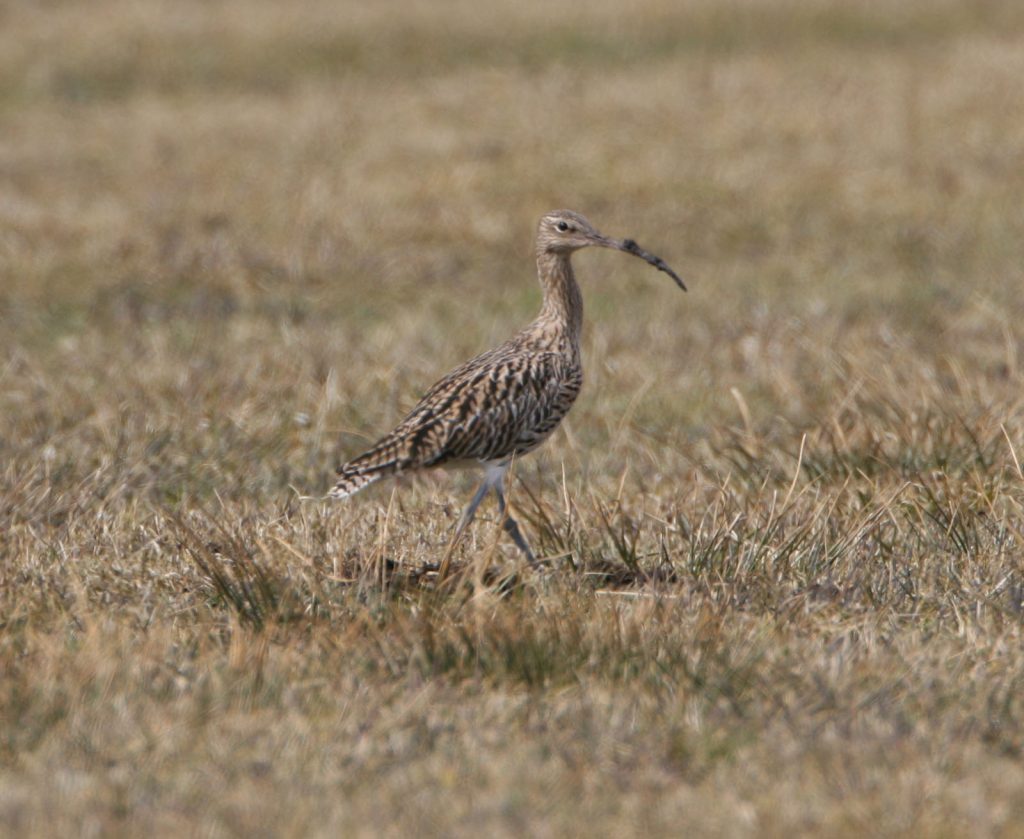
[237,239]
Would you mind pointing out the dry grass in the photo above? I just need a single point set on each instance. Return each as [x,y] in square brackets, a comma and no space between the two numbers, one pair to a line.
[787,587]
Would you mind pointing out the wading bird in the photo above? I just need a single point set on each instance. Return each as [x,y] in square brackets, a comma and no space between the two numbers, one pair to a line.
[505,402]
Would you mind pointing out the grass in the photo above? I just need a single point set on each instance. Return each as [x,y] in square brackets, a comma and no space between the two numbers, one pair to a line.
[785,593]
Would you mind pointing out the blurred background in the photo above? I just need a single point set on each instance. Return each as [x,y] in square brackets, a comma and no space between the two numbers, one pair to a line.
[316,208]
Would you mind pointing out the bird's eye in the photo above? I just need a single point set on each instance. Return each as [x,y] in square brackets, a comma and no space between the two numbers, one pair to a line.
[562,226]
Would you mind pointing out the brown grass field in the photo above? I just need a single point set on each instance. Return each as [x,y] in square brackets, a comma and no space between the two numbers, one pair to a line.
[785,593]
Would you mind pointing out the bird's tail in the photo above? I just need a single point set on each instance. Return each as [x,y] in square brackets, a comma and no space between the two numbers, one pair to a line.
[351,482]
[379,462]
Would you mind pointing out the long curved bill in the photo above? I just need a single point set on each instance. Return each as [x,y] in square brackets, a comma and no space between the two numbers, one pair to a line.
[629,246]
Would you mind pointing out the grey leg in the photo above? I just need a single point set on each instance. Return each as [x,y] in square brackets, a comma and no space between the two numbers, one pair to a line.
[464,520]
[509,524]
[470,511]
[494,479]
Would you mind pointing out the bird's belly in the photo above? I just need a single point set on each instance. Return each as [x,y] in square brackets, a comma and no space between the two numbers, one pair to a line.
[461,463]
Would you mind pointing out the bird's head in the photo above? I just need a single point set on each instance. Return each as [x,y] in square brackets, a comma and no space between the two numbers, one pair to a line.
[563,232]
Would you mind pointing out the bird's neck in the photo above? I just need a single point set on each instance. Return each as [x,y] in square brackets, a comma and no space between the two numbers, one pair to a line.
[561,315]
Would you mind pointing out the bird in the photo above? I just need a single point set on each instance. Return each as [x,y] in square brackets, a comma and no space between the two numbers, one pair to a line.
[503,403]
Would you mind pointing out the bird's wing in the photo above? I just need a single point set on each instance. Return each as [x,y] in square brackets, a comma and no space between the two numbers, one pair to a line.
[502,408]
[499,404]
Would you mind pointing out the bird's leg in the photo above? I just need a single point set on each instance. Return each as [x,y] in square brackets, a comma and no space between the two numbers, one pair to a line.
[464,520]
[494,479]
[470,511]
[509,524]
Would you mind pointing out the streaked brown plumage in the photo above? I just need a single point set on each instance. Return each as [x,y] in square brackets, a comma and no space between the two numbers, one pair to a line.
[507,401]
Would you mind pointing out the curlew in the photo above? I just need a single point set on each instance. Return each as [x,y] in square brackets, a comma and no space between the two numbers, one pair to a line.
[507,401]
